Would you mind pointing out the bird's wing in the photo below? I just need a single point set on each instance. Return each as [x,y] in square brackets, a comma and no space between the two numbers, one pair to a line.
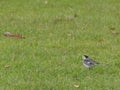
[94,62]
[88,62]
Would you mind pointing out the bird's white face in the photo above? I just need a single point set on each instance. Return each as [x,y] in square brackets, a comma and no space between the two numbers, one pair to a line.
[83,57]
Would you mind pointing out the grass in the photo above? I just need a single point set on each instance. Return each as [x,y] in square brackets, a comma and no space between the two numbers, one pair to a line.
[57,34]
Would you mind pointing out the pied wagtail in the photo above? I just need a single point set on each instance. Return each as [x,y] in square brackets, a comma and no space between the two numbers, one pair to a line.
[88,62]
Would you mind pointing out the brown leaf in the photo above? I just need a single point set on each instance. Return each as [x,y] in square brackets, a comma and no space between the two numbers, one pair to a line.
[7,66]
[76,85]
[115,32]
[8,34]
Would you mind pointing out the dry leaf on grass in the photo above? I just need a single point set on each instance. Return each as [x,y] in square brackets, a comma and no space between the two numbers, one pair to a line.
[7,66]
[76,85]
[115,32]
[8,34]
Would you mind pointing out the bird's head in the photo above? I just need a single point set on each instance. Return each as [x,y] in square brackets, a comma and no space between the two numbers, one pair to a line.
[84,57]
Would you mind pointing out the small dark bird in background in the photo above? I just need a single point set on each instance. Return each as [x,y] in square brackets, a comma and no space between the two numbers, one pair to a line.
[88,62]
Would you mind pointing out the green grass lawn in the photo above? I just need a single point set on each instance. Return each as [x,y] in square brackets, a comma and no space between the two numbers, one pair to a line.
[57,34]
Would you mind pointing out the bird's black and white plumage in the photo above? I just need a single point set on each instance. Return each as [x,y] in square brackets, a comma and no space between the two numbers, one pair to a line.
[88,62]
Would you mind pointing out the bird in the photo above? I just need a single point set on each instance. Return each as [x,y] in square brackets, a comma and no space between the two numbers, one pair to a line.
[88,62]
